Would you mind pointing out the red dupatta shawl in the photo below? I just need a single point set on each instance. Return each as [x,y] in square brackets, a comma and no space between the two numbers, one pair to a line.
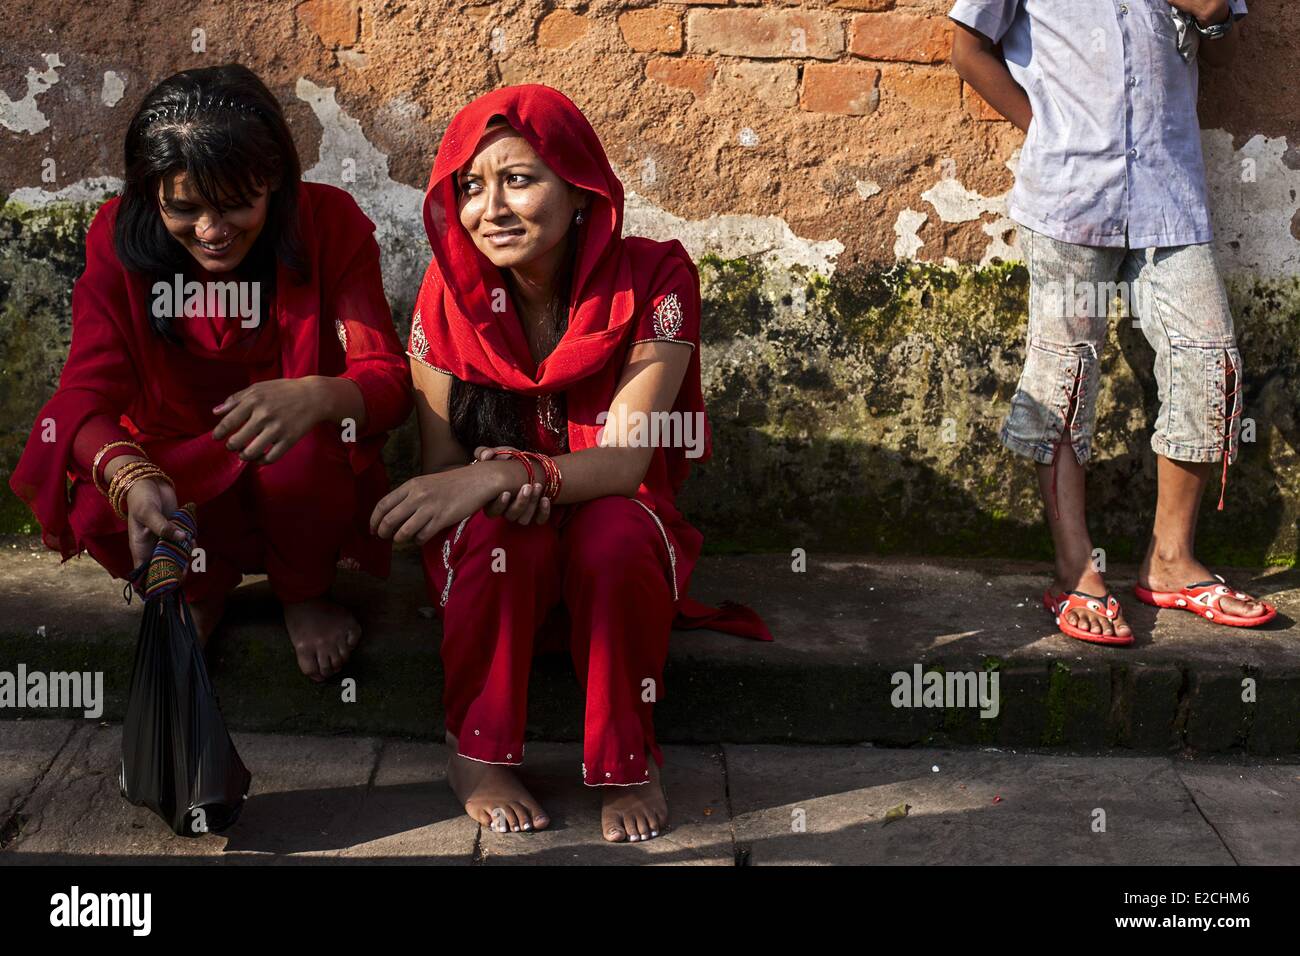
[614,279]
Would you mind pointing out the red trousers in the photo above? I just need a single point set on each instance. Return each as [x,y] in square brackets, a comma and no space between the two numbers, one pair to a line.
[495,583]
[287,519]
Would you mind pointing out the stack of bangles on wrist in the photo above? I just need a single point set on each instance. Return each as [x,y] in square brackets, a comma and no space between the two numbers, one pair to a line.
[126,476]
[550,470]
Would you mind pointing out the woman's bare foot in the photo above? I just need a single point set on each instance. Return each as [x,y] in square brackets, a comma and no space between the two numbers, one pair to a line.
[323,634]
[634,813]
[207,614]
[492,794]
[1175,573]
[1091,582]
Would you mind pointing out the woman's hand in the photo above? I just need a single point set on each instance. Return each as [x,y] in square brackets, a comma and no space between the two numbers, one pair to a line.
[148,503]
[421,507]
[262,422]
[522,506]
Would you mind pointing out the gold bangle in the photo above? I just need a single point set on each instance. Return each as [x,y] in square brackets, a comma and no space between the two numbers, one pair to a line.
[127,472]
[120,476]
[127,476]
[99,455]
[120,501]
[124,476]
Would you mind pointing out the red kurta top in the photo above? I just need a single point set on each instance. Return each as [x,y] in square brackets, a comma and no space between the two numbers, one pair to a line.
[464,326]
[122,379]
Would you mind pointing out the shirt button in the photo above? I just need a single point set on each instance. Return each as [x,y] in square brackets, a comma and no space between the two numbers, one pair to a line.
[1133,152]
[1132,81]
[1123,9]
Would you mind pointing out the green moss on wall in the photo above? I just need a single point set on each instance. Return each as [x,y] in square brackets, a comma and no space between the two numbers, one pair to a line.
[857,412]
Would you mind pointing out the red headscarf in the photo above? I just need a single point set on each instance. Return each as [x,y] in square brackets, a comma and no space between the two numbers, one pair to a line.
[613,277]
[613,283]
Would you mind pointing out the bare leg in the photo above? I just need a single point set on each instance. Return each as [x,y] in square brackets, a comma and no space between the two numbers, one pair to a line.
[1170,562]
[1074,566]
[492,794]
[634,813]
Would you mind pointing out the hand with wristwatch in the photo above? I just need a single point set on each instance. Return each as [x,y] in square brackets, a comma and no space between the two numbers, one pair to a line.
[1191,32]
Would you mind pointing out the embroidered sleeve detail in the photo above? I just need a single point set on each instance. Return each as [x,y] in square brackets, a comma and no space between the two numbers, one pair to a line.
[341,331]
[419,345]
[661,339]
[428,364]
[668,317]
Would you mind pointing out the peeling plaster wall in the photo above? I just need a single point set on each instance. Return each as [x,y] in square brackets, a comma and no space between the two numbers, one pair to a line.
[844,193]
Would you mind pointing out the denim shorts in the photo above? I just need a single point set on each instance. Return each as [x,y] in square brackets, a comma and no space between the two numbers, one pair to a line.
[1176,294]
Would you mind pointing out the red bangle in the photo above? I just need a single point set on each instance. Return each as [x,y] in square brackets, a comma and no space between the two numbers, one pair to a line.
[552,473]
[520,457]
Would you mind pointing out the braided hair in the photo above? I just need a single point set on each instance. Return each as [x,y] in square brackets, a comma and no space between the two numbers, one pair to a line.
[224,129]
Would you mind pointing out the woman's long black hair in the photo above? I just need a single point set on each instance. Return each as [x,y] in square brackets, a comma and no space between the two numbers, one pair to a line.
[481,415]
[225,129]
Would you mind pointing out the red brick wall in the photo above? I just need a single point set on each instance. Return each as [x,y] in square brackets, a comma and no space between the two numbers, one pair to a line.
[771,108]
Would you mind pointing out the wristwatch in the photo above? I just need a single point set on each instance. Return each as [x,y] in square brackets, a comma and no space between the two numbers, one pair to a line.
[1215,31]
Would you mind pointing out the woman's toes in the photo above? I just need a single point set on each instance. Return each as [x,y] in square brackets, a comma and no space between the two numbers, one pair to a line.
[327,666]
[615,831]
[536,817]
[309,664]
[524,814]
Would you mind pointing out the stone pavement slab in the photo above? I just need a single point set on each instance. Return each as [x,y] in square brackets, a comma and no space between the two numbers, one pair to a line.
[77,812]
[1254,809]
[410,814]
[700,831]
[339,800]
[27,750]
[979,808]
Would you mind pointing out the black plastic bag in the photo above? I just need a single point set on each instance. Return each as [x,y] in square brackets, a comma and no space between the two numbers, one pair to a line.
[177,756]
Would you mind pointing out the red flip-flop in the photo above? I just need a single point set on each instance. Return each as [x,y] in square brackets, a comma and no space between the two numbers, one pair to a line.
[1062,602]
[1203,599]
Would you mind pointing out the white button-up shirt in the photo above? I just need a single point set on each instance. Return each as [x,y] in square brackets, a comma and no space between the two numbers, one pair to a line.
[1113,154]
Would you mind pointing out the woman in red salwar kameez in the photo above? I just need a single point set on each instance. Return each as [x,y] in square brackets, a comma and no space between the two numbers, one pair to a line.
[541,341]
[265,398]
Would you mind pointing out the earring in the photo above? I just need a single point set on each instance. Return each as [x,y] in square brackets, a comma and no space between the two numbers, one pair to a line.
[578,218]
